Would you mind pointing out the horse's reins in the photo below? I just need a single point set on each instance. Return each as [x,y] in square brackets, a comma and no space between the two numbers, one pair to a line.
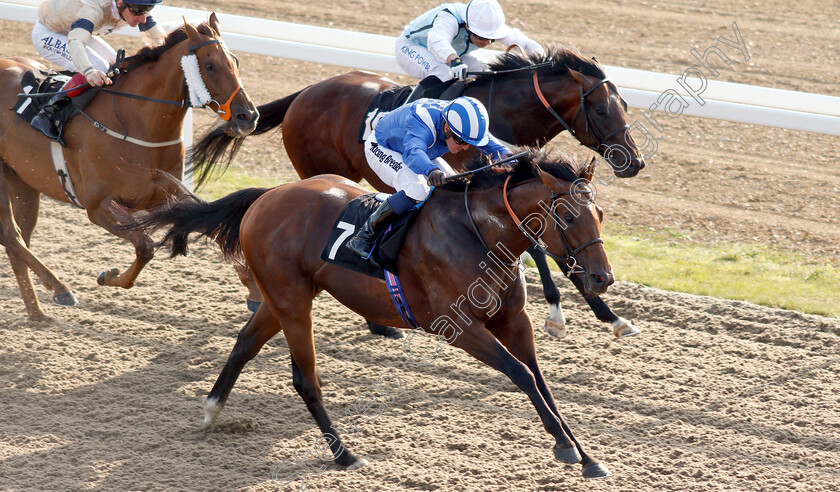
[223,110]
[581,108]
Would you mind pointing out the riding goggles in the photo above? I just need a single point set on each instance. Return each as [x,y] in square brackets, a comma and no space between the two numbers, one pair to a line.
[458,140]
[139,9]
[480,38]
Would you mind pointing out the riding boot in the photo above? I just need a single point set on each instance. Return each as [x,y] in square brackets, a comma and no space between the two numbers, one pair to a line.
[419,89]
[362,242]
[43,121]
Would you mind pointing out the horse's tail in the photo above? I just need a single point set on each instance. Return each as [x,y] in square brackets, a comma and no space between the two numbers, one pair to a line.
[218,220]
[216,143]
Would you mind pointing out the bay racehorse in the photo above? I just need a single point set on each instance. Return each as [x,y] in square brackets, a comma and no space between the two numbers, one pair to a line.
[112,177]
[464,242]
[530,101]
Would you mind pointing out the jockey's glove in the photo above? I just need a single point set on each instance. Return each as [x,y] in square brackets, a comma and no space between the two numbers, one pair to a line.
[437,178]
[458,69]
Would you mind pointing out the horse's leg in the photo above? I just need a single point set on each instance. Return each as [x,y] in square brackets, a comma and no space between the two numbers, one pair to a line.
[385,331]
[255,297]
[117,219]
[555,323]
[477,341]
[258,330]
[22,203]
[621,327]
[521,345]
[297,326]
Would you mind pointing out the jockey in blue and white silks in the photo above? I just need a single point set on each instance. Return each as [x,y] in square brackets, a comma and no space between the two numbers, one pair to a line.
[439,41]
[405,151]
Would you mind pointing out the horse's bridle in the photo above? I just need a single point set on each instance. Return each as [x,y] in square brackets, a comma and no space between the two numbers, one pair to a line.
[570,261]
[601,140]
[224,111]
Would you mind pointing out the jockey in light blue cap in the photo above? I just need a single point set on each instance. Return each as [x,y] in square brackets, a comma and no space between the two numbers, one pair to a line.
[405,151]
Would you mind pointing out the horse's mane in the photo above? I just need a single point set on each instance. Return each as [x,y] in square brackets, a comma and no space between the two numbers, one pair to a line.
[556,163]
[561,59]
[151,54]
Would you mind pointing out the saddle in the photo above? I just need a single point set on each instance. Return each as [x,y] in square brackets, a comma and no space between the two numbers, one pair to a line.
[386,248]
[47,82]
[394,97]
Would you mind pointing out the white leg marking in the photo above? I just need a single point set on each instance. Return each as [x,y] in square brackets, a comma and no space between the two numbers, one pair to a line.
[212,408]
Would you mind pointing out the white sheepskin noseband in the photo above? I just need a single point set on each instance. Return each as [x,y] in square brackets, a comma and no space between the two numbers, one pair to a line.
[199,95]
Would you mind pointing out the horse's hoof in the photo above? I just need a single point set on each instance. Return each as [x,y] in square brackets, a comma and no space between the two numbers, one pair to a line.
[253,305]
[104,277]
[66,299]
[385,331]
[567,455]
[357,464]
[554,328]
[624,328]
[40,317]
[595,471]
[555,323]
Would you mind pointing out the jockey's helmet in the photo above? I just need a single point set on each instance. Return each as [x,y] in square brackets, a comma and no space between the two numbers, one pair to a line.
[485,18]
[468,119]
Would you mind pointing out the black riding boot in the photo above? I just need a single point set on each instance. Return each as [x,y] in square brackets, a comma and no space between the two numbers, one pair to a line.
[43,121]
[362,242]
[420,88]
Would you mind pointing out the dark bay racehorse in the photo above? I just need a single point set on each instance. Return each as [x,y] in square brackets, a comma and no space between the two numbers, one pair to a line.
[443,260]
[112,176]
[528,106]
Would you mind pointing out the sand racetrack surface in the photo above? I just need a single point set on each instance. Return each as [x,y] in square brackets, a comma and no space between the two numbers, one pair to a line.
[714,395]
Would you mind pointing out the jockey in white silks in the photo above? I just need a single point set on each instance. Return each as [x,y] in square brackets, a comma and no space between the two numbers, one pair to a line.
[439,41]
[405,151]
[67,34]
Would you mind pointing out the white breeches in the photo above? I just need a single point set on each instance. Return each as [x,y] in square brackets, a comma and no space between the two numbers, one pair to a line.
[389,166]
[53,47]
[419,62]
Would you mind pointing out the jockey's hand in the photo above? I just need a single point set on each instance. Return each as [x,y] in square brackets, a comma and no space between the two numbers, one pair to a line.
[97,78]
[458,69]
[436,178]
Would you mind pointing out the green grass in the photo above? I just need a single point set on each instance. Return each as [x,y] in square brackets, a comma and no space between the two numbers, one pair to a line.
[234,179]
[670,259]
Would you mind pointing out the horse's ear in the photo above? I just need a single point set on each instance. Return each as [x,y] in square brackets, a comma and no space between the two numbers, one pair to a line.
[195,38]
[548,180]
[214,25]
[589,170]
[577,76]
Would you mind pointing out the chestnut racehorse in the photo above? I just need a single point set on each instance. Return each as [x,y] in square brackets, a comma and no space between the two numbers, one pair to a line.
[112,177]
[530,101]
[447,249]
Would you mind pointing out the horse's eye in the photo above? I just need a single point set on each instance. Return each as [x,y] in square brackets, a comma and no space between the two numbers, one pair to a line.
[569,218]
[600,112]
[208,66]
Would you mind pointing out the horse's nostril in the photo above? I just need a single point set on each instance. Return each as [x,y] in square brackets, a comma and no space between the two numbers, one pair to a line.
[243,117]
